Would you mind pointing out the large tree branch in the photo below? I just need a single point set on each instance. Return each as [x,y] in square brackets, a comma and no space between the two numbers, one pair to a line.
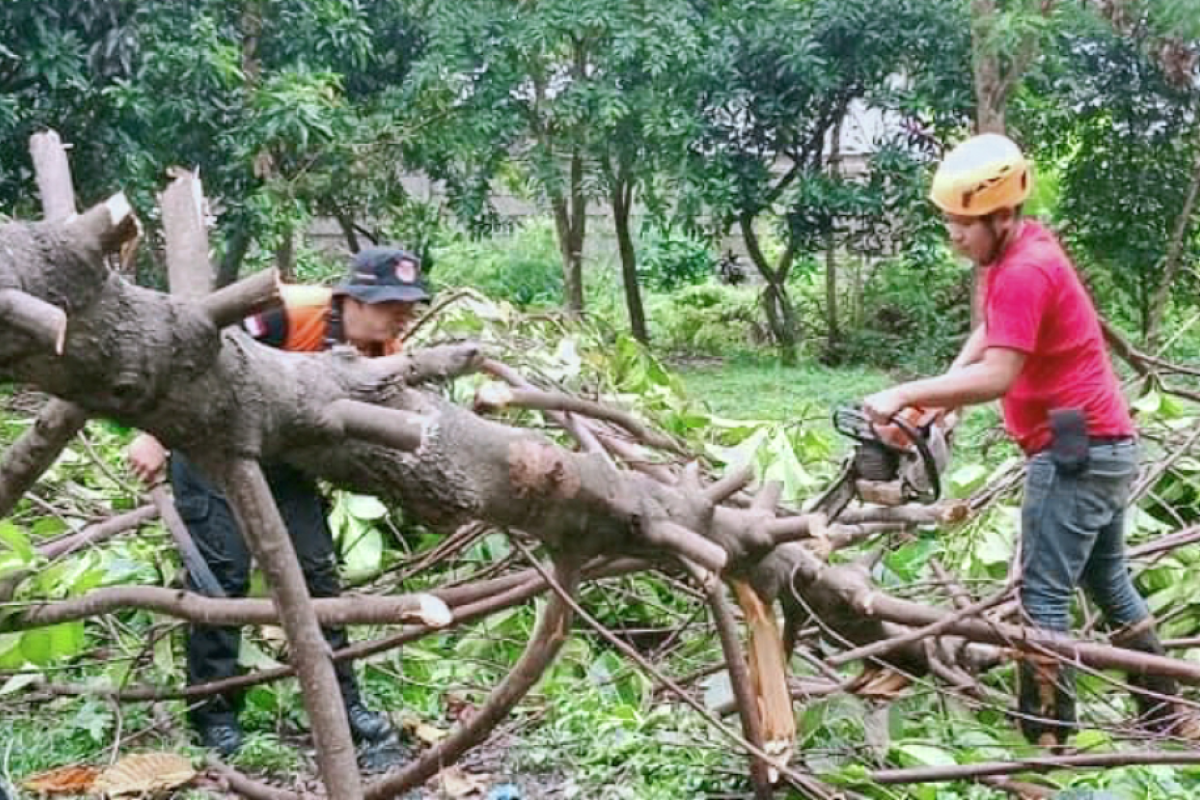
[1037,764]
[852,587]
[197,608]
[267,537]
[37,449]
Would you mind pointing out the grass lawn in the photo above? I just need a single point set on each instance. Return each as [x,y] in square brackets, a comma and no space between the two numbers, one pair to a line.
[759,388]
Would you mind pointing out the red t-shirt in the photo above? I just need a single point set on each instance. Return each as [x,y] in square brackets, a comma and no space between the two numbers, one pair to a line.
[1036,304]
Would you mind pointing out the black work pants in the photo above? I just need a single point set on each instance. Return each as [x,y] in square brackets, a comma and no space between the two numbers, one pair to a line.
[212,651]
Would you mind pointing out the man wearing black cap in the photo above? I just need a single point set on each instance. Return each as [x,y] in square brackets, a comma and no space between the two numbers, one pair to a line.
[368,311]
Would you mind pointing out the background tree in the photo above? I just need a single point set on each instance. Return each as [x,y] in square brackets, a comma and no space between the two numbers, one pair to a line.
[776,81]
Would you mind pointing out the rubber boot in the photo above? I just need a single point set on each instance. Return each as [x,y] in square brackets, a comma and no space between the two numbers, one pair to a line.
[1046,700]
[1157,714]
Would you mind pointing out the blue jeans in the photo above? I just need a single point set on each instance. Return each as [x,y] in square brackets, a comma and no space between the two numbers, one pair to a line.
[1073,532]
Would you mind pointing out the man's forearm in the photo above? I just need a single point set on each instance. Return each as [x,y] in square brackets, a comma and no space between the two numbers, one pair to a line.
[962,386]
[972,350]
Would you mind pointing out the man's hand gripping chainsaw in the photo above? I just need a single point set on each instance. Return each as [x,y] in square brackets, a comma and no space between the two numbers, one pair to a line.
[901,462]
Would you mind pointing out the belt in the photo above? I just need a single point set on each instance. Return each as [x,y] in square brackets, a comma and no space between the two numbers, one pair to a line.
[1100,441]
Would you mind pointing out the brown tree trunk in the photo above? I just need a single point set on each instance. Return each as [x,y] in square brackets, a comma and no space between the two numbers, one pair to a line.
[236,246]
[1174,256]
[285,256]
[570,221]
[833,334]
[188,270]
[777,305]
[990,99]
[346,223]
[622,200]
[259,519]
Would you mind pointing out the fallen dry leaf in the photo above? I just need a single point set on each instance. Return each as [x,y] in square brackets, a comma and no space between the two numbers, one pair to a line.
[459,708]
[146,773]
[75,779]
[429,734]
[455,783]
[881,684]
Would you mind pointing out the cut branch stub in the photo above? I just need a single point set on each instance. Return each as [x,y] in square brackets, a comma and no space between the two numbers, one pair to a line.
[53,171]
[385,426]
[232,304]
[43,322]
[729,485]
[437,363]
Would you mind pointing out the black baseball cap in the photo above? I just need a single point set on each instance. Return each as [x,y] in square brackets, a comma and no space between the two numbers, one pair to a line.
[380,274]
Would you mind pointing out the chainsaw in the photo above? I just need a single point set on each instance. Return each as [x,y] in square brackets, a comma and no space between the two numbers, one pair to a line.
[893,464]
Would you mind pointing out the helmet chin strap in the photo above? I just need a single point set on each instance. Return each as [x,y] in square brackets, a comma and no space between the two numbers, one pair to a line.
[1000,242]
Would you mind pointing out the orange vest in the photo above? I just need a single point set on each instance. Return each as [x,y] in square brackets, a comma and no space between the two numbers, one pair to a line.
[308,310]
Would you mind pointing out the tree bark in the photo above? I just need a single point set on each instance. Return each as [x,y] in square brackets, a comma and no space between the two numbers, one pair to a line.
[570,220]
[990,102]
[53,172]
[39,447]
[743,689]
[1174,255]
[285,256]
[267,537]
[622,200]
[237,244]
[349,232]
[833,333]
[781,317]
[182,204]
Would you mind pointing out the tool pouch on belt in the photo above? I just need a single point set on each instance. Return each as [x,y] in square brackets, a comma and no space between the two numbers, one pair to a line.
[1046,700]
[1069,447]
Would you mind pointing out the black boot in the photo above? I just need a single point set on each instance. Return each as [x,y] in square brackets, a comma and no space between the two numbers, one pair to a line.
[224,736]
[1156,713]
[1046,700]
[367,725]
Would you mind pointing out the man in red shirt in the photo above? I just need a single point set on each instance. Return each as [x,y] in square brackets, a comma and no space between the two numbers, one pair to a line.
[1040,349]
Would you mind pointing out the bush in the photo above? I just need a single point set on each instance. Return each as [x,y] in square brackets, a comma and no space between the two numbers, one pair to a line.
[668,260]
[916,313]
[709,319]
[523,267]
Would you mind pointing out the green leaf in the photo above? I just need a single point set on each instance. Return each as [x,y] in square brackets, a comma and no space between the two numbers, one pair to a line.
[20,681]
[37,646]
[67,639]
[365,507]
[17,541]
[251,656]
[1149,403]
[10,651]
[994,548]
[922,755]
[95,720]
[908,561]
[365,554]
[967,479]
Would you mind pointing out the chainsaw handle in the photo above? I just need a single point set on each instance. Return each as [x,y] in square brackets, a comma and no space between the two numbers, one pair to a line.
[918,440]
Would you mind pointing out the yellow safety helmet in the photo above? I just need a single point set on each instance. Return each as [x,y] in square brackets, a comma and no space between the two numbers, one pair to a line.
[983,174]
